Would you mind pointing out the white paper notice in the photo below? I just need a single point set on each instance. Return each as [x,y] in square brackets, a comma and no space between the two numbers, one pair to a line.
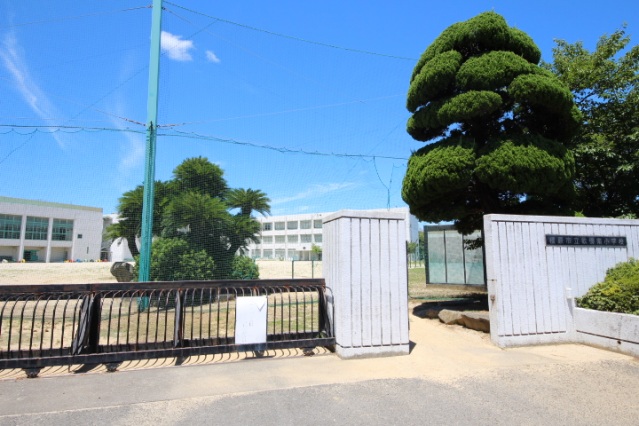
[250,319]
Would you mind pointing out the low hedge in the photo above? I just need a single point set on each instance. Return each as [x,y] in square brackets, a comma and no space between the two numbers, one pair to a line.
[619,292]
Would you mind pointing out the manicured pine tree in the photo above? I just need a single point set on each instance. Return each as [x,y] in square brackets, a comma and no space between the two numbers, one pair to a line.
[496,126]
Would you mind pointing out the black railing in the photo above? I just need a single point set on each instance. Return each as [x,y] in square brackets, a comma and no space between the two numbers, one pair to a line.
[64,324]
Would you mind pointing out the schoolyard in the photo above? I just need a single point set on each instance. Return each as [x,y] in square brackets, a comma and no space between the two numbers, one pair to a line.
[99,272]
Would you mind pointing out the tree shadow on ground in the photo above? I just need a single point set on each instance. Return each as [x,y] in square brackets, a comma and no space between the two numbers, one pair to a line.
[431,308]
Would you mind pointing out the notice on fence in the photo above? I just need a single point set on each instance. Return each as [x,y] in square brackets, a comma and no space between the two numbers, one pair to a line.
[250,320]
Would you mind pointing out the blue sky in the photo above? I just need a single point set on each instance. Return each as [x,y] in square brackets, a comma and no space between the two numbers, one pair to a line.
[74,77]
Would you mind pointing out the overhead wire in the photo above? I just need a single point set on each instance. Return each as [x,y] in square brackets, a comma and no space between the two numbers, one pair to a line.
[303,40]
[205,28]
[68,18]
[245,49]
[268,114]
[190,135]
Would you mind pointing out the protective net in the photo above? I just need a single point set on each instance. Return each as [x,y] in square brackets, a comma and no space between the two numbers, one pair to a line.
[268,122]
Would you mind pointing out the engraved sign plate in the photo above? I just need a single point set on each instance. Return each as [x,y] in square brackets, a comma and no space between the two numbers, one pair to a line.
[586,240]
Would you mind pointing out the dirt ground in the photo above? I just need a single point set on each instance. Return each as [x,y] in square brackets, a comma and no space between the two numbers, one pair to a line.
[430,296]
[99,272]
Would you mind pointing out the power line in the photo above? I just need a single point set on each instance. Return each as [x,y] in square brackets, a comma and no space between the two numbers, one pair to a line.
[267,114]
[62,129]
[318,43]
[68,18]
[188,135]
[243,48]
[192,135]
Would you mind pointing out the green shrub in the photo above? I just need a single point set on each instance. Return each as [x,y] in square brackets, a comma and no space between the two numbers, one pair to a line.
[244,268]
[619,292]
[173,260]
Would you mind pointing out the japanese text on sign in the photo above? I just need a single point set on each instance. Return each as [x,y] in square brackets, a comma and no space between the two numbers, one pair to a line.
[585,240]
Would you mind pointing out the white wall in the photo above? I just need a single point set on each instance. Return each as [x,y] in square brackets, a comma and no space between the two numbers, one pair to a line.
[87,229]
[532,285]
[365,272]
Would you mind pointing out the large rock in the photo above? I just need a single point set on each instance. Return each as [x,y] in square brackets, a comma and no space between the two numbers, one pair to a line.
[449,317]
[479,321]
[122,271]
[470,319]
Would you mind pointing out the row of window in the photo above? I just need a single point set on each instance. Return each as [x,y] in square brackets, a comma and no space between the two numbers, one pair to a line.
[293,224]
[274,254]
[36,228]
[304,238]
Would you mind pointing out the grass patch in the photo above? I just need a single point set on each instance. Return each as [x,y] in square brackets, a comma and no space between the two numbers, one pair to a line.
[418,290]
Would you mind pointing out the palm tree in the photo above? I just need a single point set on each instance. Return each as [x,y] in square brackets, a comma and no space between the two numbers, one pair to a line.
[248,201]
[130,212]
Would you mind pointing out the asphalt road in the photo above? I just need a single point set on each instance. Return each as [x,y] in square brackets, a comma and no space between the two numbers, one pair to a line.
[453,376]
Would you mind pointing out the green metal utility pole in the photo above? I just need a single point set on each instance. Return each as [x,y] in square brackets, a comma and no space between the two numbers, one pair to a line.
[152,120]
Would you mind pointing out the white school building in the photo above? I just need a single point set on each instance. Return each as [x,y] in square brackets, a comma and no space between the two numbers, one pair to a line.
[41,231]
[292,237]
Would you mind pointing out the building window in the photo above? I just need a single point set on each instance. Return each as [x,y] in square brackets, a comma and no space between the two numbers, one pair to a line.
[317,224]
[305,238]
[291,225]
[37,228]
[62,230]
[10,226]
[280,239]
[305,224]
[292,238]
[267,226]
[280,253]
[267,254]
[318,238]
[267,240]
[279,226]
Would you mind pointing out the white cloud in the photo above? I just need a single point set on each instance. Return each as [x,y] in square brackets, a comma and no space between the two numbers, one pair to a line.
[175,47]
[212,57]
[314,191]
[12,56]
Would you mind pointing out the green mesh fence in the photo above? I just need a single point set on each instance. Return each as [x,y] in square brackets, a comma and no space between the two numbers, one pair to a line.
[264,128]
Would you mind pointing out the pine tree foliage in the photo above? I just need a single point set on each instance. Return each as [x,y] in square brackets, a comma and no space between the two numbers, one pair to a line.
[496,124]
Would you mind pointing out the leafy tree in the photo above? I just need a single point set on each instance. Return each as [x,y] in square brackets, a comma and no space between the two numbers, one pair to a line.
[495,123]
[200,175]
[316,251]
[130,211]
[172,259]
[249,200]
[194,223]
[411,247]
[604,84]
[244,268]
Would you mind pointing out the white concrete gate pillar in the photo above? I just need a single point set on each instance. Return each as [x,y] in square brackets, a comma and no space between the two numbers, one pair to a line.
[364,263]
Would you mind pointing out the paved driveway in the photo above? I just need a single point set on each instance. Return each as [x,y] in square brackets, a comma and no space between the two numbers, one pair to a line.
[453,376]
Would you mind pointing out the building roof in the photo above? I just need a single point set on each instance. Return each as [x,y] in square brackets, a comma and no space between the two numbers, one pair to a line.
[47,204]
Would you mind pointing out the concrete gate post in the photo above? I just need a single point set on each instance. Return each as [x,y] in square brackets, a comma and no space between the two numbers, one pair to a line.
[364,264]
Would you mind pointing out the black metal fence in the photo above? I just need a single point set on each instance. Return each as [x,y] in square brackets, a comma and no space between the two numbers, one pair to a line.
[64,324]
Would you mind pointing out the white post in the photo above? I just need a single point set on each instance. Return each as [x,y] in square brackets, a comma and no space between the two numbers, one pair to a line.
[364,261]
